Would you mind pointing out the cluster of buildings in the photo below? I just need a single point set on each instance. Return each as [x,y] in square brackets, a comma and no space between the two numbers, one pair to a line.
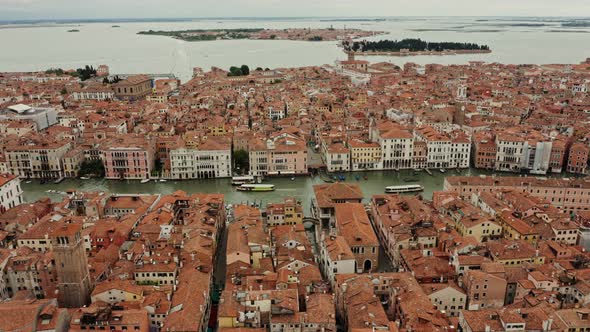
[485,254]
[352,116]
[110,262]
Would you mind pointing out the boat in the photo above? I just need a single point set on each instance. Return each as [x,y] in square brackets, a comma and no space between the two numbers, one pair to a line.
[240,180]
[28,181]
[57,181]
[341,177]
[84,178]
[162,180]
[404,189]
[293,179]
[357,177]
[428,171]
[256,187]
[365,177]
[145,181]
[442,170]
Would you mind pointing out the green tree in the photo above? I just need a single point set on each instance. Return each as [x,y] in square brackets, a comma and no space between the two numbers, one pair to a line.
[94,168]
[241,160]
[234,71]
[245,70]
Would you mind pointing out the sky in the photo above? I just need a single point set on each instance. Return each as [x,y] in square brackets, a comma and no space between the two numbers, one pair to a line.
[95,9]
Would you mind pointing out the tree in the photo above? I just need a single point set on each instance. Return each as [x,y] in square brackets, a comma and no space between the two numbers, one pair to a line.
[93,168]
[241,160]
[64,91]
[245,70]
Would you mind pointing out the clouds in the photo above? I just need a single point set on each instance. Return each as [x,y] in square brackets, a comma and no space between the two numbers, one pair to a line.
[54,9]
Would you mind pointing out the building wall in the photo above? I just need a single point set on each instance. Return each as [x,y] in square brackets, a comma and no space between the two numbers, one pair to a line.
[125,163]
[10,194]
[449,300]
[196,164]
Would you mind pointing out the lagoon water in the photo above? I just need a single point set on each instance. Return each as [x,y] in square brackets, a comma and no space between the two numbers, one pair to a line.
[38,47]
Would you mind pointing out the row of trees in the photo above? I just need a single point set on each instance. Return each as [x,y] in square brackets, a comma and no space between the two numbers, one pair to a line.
[244,70]
[414,45]
[83,73]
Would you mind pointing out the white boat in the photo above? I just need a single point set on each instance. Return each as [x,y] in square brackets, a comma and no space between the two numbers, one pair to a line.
[240,180]
[162,180]
[408,188]
[256,187]
[442,170]
[84,178]
[145,180]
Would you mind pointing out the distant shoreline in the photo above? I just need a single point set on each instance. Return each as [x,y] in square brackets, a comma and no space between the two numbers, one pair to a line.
[417,53]
[292,34]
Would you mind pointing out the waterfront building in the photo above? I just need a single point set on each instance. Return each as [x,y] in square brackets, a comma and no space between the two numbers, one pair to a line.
[211,159]
[128,157]
[438,147]
[397,145]
[578,158]
[337,157]
[37,159]
[569,194]
[484,150]
[281,154]
[364,156]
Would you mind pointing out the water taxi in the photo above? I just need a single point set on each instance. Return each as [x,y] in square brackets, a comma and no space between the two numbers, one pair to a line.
[442,170]
[404,189]
[256,187]
[145,181]
[240,180]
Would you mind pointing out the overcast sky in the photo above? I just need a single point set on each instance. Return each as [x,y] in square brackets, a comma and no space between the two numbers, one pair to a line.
[56,9]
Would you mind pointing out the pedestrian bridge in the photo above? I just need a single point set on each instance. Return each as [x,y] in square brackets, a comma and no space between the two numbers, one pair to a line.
[309,222]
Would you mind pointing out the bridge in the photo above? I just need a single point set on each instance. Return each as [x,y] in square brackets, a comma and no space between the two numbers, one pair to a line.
[308,222]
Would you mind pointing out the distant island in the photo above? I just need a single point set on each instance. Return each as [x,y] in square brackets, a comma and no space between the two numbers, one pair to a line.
[408,47]
[301,34]
[115,26]
[74,30]
[576,24]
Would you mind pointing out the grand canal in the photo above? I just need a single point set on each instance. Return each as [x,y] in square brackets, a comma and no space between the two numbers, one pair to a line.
[299,187]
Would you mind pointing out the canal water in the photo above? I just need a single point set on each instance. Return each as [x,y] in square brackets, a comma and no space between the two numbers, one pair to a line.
[300,187]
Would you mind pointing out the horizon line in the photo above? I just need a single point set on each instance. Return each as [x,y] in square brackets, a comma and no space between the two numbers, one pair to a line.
[147,19]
